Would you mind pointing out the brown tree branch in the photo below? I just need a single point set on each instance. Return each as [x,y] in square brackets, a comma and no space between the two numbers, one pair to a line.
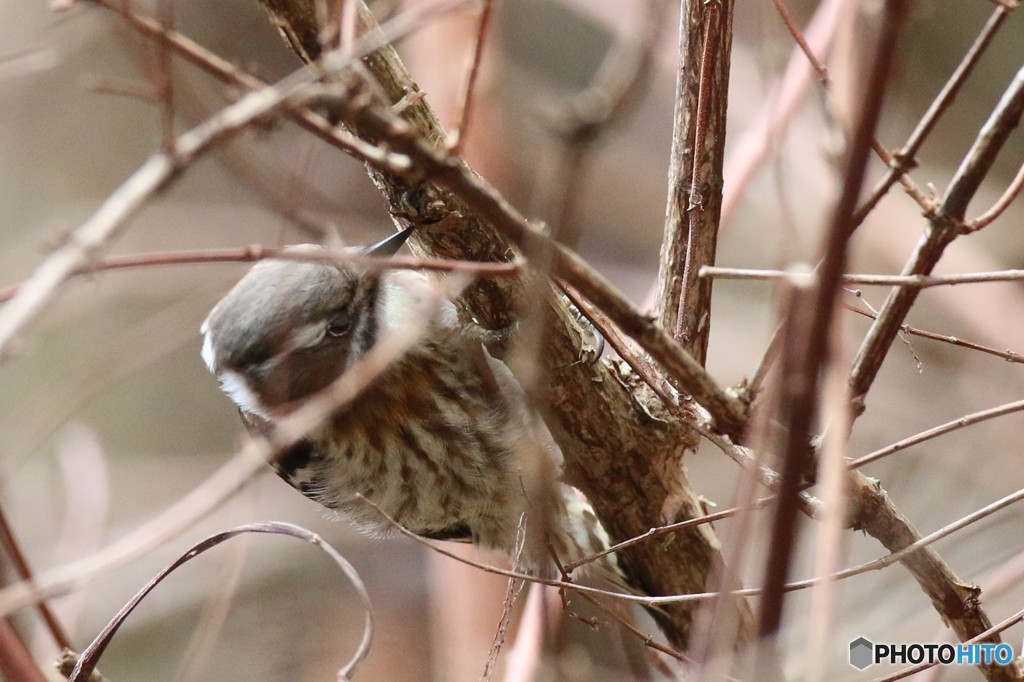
[16,662]
[806,351]
[909,281]
[465,104]
[607,439]
[86,663]
[906,158]
[255,252]
[942,429]
[944,226]
[695,171]
[1008,355]
[1001,204]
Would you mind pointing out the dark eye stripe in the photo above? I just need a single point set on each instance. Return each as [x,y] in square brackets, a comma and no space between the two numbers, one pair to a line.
[366,327]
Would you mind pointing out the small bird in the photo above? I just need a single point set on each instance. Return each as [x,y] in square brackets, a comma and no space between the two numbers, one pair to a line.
[441,441]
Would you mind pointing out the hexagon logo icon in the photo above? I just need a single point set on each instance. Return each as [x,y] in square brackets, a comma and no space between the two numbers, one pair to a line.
[861,653]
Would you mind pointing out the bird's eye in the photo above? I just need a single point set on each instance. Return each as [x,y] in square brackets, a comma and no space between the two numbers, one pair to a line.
[339,323]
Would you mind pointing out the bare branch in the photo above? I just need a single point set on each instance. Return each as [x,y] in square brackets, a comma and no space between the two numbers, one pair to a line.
[1001,205]
[16,662]
[1008,355]
[903,281]
[772,121]
[255,252]
[807,331]
[465,105]
[944,227]
[13,550]
[90,657]
[695,172]
[905,159]
[942,429]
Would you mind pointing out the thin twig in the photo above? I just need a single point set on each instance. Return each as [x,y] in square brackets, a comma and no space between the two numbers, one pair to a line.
[512,591]
[903,281]
[671,528]
[828,534]
[801,42]
[880,563]
[905,159]
[228,73]
[16,661]
[935,432]
[159,73]
[944,227]
[647,639]
[90,657]
[13,550]
[1001,205]
[465,104]
[349,20]
[1008,355]
[217,602]
[772,122]
[908,185]
[806,350]
[582,121]
[255,252]
[980,637]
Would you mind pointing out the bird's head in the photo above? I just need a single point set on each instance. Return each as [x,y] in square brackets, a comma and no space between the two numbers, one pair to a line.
[290,327]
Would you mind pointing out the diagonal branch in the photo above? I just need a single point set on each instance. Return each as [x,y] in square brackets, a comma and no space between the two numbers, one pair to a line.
[945,225]
[906,158]
[601,425]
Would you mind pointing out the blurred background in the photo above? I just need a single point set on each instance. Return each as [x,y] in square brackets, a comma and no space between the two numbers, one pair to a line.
[108,415]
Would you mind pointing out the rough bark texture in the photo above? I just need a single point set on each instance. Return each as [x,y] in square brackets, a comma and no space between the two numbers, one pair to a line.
[695,172]
[618,449]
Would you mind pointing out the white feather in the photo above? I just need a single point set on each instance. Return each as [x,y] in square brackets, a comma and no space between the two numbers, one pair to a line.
[208,353]
[402,297]
[237,388]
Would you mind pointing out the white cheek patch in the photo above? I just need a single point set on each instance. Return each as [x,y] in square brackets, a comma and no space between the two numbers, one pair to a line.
[237,388]
[209,355]
[403,294]
[400,294]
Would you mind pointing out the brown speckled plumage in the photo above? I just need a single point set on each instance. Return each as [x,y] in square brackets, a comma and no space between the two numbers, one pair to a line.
[439,442]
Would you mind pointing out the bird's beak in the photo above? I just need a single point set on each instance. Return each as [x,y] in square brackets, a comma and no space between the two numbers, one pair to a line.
[390,246]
